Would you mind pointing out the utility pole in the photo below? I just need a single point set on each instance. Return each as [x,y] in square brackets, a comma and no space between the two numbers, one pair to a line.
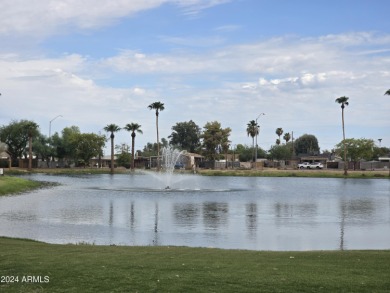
[50,124]
[292,140]
[256,139]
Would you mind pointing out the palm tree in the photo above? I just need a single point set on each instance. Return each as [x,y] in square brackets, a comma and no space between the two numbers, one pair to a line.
[343,101]
[287,137]
[252,130]
[32,129]
[279,132]
[158,106]
[112,128]
[133,127]
[388,93]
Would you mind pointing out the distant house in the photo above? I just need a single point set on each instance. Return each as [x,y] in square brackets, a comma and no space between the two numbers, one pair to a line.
[4,156]
[384,159]
[193,159]
[5,160]
[321,158]
[102,162]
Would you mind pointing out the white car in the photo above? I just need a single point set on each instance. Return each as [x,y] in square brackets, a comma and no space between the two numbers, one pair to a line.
[316,166]
[304,165]
[307,165]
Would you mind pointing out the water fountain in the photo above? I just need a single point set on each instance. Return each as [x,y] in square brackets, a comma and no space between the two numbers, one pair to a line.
[169,158]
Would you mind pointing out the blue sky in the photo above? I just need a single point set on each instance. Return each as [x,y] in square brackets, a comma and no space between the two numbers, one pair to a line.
[102,62]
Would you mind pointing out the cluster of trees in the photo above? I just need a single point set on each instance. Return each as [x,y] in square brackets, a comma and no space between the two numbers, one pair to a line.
[75,147]
[71,145]
[356,150]
[305,144]
[22,138]
[213,142]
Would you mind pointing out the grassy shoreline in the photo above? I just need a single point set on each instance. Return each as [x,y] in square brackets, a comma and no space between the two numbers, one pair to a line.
[12,185]
[89,268]
[267,172]
[377,174]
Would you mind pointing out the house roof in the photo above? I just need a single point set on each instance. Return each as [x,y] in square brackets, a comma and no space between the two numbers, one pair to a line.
[384,159]
[193,155]
[315,158]
[4,155]
[105,158]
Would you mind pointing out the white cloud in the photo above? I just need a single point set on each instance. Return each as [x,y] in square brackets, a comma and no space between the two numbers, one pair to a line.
[45,17]
[228,28]
[288,60]
[194,41]
[193,7]
[38,89]
[42,17]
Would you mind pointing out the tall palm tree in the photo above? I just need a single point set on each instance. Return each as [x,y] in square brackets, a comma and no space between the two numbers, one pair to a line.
[388,93]
[287,137]
[32,129]
[112,128]
[133,127]
[343,101]
[158,106]
[252,130]
[279,132]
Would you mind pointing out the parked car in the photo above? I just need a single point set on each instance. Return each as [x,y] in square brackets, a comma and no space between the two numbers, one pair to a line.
[179,166]
[304,165]
[316,166]
[307,165]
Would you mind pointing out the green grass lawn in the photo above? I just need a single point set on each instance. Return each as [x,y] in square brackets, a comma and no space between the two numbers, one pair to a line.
[9,184]
[89,268]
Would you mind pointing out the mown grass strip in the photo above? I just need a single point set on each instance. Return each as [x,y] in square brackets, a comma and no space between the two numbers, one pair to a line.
[298,173]
[9,185]
[89,268]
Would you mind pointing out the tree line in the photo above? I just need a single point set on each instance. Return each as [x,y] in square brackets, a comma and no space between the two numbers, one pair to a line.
[213,142]
[22,138]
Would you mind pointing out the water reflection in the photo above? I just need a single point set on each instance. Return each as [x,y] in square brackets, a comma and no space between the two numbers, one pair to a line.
[186,214]
[358,212]
[251,213]
[155,240]
[251,219]
[132,215]
[215,214]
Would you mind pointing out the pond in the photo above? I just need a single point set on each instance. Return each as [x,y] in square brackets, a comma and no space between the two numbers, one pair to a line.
[224,212]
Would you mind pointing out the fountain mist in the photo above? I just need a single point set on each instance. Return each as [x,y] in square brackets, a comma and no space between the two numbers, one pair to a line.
[170,157]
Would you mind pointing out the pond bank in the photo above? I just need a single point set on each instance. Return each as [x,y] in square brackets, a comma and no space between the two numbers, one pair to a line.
[298,173]
[10,185]
[90,268]
[266,172]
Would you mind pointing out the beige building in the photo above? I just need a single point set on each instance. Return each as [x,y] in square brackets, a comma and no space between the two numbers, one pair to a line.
[5,160]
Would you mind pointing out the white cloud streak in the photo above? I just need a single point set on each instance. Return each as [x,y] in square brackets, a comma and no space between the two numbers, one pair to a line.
[46,17]
[43,17]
